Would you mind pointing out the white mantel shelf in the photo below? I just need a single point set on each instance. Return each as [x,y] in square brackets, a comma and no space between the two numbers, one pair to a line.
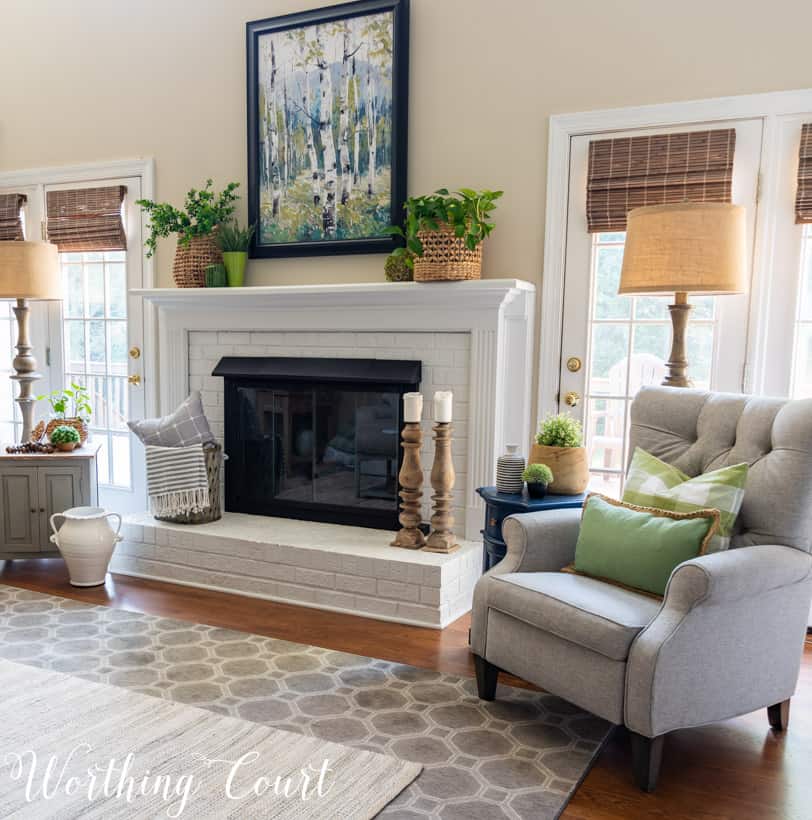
[482,293]
[496,314]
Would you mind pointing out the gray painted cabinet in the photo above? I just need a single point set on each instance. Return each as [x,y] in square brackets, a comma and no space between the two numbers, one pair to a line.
[33,488]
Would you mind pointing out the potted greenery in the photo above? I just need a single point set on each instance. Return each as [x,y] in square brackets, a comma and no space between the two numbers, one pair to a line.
[196,224]
[444,233]
[559,445]
[234,242]
[70,407]
[538,478]
[64,437]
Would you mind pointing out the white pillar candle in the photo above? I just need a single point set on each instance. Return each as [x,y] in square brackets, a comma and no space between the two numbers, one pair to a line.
[412,407]
[442,406]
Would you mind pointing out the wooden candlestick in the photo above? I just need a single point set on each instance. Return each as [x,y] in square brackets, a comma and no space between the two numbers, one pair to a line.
[411,482]
[442,538]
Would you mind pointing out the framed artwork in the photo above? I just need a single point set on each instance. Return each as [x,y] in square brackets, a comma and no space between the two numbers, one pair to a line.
[327,128]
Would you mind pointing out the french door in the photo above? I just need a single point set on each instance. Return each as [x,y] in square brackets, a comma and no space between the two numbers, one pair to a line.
[99,342]
[612,345]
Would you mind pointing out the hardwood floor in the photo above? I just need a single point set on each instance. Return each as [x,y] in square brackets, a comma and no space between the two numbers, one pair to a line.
[739,769]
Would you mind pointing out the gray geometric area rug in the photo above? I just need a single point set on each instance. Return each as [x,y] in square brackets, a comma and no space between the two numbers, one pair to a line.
[520,756]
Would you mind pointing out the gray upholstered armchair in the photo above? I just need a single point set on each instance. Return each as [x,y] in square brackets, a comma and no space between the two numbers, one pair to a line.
[727,638]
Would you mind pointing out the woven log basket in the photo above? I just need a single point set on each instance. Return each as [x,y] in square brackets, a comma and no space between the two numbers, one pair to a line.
[192,259]
[445,257]
[214,465]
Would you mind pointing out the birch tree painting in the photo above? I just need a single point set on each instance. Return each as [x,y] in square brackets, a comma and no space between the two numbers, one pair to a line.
[324,107]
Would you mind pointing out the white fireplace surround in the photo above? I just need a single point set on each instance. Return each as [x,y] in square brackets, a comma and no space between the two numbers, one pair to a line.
[490,323]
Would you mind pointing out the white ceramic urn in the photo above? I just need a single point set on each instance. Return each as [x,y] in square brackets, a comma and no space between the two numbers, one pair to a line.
[86,541]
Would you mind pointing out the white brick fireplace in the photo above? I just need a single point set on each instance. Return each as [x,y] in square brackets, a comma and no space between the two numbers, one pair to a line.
[474,338]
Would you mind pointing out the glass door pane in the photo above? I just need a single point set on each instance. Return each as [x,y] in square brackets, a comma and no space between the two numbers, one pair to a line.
[95,345]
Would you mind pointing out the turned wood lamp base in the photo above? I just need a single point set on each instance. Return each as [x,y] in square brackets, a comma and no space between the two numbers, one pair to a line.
[677,363]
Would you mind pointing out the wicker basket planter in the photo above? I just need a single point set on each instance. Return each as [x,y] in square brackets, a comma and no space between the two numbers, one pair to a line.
[445,257]
[192,259]
[214,466]
[78,424]
[570,467]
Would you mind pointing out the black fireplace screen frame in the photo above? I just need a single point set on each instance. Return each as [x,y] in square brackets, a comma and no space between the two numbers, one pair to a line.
[299,375]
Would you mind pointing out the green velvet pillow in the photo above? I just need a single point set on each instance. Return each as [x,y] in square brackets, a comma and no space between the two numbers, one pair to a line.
[639,547]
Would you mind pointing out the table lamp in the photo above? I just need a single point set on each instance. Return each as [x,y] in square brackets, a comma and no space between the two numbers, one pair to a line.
[28,270]
[684,248]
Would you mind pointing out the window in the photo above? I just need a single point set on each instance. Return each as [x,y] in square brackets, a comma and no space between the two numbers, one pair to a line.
[95,351]
[802,359]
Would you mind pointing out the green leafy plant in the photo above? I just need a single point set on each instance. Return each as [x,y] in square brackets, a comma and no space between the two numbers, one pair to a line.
[466,211]
[64,434]
[203,211]
[72,402]
[560,431]
[231,237]
[537,474]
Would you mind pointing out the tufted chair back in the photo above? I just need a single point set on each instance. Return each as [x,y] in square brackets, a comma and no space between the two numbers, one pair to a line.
[697,431]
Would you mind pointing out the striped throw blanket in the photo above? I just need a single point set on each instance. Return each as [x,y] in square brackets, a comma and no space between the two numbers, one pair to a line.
[176,480]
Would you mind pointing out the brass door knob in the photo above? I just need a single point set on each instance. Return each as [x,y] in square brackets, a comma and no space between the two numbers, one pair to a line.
[572,398]
[134,380]
[135,352]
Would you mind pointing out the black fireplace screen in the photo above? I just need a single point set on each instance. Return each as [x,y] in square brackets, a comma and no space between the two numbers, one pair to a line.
[315,439]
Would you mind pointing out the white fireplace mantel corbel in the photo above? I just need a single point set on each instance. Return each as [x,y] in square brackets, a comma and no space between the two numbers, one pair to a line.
[497,313]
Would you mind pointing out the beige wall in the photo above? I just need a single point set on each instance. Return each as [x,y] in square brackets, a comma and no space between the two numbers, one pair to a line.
[111,79]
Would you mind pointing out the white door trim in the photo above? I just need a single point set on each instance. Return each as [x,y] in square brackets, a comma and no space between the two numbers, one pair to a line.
[563,127]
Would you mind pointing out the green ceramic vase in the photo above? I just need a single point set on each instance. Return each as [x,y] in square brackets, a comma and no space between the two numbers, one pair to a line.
[235,267]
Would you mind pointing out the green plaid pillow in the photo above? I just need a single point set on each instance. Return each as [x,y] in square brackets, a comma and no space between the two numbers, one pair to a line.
[653,483]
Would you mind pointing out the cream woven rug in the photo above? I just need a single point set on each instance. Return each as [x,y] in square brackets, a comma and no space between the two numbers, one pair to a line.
[70,748]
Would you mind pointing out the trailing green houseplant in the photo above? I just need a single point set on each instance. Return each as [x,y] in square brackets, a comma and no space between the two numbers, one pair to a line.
[558,445]
[234,242]
[467,213]
[196,224]
[202,213]
[538,478]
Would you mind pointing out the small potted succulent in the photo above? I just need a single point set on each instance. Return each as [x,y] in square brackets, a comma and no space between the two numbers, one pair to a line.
[64,437]
[559,445]
[234,242]
[538,478]
[70,407]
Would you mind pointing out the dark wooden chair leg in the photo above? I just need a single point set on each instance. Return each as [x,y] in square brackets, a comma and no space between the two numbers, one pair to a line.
[778,715]
[486,677]
[647,754]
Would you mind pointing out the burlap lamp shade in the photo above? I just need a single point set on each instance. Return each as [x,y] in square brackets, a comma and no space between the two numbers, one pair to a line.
[684,248]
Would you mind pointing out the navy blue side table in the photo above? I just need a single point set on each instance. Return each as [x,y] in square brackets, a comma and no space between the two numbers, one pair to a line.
[499,506]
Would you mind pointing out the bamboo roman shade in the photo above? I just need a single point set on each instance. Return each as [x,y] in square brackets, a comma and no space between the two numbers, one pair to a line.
[11,216]
[87,219]
[803,197]
[630,172]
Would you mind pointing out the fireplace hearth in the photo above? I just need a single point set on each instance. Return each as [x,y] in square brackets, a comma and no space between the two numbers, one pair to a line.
[315,439]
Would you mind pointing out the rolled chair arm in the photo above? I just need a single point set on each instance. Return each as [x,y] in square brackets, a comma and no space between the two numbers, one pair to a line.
[728,576]
[727,640]
[540,541]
